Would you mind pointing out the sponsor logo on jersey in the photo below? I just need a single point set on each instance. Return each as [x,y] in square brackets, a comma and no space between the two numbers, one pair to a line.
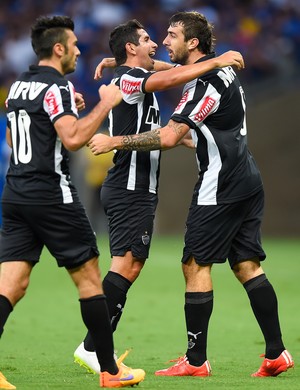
[52,103]
[206,107]
[130,87]
[183,100]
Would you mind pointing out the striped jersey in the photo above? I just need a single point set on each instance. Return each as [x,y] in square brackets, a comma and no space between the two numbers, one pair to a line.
[39,166]
[215,109]
[138,112]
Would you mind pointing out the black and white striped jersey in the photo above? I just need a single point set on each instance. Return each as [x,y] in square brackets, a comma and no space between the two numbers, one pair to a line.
[214,107]
[39,166]
[138,112]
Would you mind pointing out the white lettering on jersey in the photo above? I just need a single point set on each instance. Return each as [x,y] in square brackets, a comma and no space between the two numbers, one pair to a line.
[26,90]
[227,75]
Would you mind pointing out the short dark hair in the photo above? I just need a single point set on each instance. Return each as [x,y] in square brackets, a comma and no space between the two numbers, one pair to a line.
[195,25]
[122,34]
[47,31]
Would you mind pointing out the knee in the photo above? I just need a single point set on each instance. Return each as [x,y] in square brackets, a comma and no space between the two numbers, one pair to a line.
[15,293]
[247,270]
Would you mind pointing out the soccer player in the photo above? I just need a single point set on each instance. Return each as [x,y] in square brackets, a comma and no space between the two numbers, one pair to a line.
[40,204]
[129,192]
[226,211]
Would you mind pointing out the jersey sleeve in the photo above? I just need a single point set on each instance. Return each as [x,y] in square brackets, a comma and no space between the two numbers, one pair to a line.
[132,84]
[59,100]
[199,100]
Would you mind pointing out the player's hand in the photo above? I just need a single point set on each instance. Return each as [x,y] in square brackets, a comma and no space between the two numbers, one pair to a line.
[231,58]
[99,144]
[108,62]
[79,100]
[110,94]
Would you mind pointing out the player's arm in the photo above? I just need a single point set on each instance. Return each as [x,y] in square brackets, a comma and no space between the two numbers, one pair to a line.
[164,138]
[187,141]
[8,137]
[79,100]
[75,133]
[162,65]
[110,62]
[160,81]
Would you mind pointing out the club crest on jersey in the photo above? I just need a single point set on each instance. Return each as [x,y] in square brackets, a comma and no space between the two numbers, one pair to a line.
[130,87]
[145,239]
[205,109]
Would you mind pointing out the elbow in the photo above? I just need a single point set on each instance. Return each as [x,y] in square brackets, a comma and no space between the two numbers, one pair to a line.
[72,145]
[168,143]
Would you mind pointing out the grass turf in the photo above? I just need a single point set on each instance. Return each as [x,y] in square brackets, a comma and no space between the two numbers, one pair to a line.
[36,350]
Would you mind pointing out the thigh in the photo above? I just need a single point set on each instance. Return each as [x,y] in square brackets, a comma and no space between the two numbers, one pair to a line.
[247,241]
[217,233]
[130,217]
[209,233]
[66,231]
[18,241]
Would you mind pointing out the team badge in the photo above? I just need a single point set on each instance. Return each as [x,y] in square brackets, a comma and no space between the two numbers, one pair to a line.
[146,239]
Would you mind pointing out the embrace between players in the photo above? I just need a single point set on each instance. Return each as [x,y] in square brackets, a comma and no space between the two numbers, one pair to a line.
[41,206]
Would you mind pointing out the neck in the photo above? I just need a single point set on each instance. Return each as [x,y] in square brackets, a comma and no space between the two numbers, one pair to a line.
[53,64]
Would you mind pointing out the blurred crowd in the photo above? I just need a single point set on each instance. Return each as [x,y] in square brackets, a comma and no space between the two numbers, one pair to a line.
[266,32]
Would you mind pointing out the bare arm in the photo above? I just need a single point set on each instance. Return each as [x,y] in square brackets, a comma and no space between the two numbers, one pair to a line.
[160,81]
[165,138]
[8,137]
[79,100]
[74,133]
[110,62]
[187,141]
[162,65]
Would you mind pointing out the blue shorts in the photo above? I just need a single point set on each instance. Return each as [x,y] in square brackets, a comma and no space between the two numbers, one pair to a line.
[225,231]
[130,216]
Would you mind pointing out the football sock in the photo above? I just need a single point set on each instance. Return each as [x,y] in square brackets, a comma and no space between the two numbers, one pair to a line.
[96,318]
[198,309]
[5,310]
[264,304]
[115,287]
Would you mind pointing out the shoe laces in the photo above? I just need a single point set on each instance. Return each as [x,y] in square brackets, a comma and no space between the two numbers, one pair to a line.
[179,360]
[123,357]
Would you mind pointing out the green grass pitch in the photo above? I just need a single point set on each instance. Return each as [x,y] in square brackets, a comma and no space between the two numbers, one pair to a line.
[36,350]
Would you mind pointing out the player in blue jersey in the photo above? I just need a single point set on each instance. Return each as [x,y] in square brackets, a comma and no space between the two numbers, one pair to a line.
[226,211]
[129,192]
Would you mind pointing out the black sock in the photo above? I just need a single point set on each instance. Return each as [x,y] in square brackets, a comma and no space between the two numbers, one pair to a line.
[115,287]
[264,304]
[5,310]
[95,316]
[198,309]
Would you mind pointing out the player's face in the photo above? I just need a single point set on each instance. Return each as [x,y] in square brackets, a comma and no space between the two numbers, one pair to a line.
[145,50]
[176,45]
[69,59]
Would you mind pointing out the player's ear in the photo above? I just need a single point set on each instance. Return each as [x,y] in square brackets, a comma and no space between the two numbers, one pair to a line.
[130,48]
[193,43]
[59,49]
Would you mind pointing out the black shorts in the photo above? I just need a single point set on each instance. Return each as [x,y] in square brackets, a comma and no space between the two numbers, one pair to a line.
[226,231]
[130,217]
[64,229]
